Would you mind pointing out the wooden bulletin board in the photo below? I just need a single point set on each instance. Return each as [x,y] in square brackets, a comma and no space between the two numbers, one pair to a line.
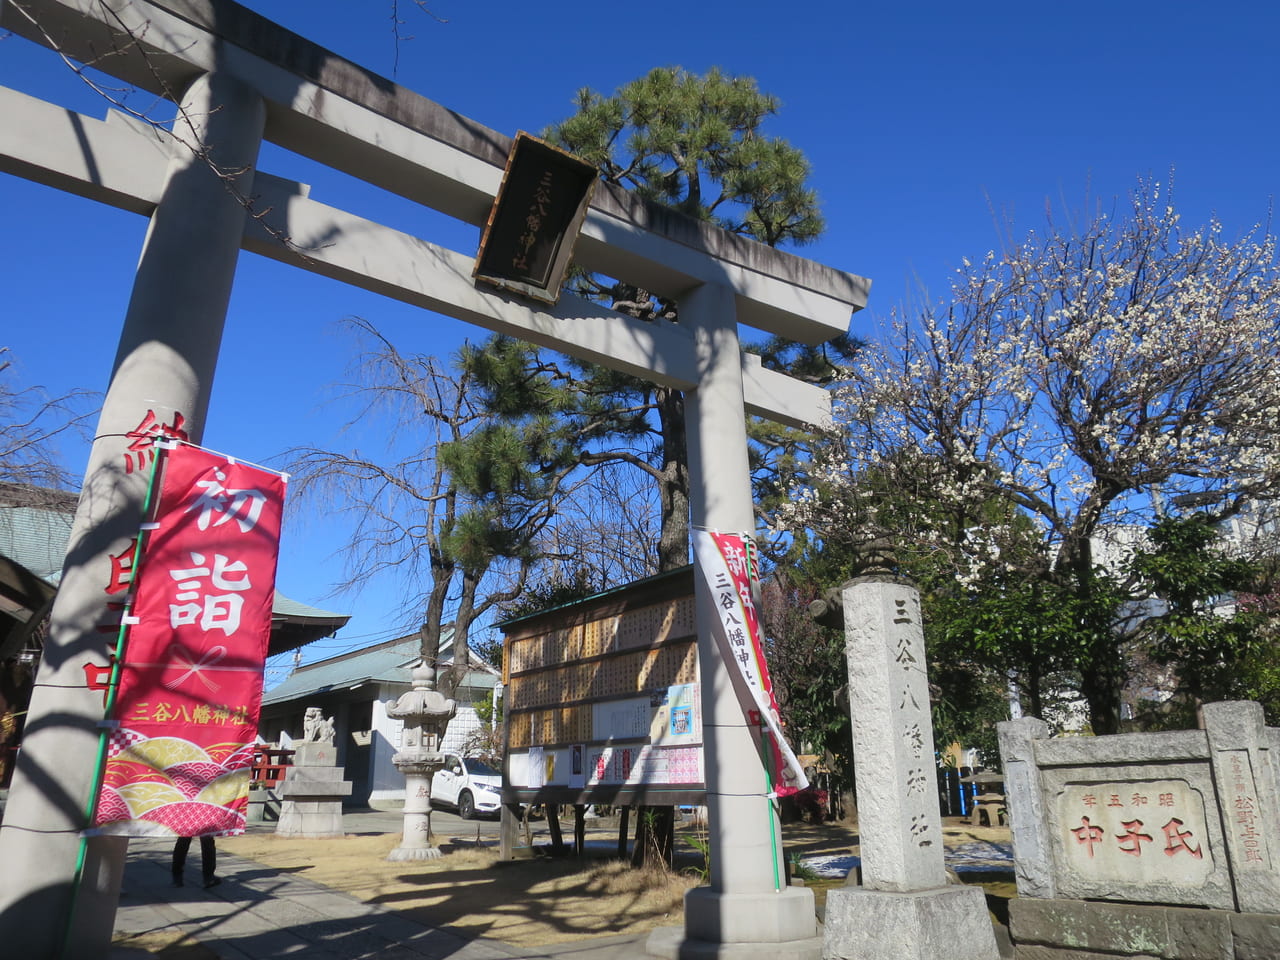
[602,699]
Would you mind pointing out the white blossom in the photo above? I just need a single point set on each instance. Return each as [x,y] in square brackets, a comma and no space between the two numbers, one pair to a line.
[1070,377]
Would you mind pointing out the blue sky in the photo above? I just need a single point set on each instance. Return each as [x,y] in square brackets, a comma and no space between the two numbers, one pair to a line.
[925,123]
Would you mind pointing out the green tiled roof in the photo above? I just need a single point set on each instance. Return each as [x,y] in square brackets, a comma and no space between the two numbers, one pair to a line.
[384,663]
[284,607]
[35,539]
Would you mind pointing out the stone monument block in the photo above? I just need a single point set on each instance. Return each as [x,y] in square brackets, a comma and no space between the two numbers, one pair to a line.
[314,754]
[264,805]
[307,783]
[1184,821]
[312,790]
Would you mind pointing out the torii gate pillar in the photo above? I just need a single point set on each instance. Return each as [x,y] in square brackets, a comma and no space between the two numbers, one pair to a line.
[165,364]
[748,911]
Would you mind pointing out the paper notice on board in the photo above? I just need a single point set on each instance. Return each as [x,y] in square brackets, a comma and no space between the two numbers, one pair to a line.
[679,719]
[537,768]
[621,719]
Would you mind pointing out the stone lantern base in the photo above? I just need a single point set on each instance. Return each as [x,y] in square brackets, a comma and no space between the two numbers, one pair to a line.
[415,843]
[426,714]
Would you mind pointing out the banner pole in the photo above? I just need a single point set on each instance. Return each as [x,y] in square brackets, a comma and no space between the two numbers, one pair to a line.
[775,839]
[199,618]
[91,807]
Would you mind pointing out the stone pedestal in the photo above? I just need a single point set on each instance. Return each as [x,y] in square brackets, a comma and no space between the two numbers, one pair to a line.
[1093,930]
[264,805]
[426,713]
[950,922]
[904,908]
[741,926]
[311,794]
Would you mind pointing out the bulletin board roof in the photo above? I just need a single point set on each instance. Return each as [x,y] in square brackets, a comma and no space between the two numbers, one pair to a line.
[661,586]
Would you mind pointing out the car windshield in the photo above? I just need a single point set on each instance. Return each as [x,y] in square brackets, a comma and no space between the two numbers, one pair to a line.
[478,768]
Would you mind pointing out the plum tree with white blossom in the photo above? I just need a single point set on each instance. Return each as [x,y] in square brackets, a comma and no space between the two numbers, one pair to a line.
[1084,380]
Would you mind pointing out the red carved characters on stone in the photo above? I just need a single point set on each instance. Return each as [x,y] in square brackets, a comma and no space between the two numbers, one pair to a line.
[1131,840]
[1176,839]
[1087,833]
[141,450]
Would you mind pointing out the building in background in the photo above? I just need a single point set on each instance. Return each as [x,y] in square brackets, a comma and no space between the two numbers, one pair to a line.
[353,688]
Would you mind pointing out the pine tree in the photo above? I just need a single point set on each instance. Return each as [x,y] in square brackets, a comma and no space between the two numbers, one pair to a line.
[693,143]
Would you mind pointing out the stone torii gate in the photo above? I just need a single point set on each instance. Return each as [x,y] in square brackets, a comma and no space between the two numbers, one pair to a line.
[240,79]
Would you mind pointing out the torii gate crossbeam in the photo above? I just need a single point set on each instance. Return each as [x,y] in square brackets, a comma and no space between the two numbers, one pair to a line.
[122,163]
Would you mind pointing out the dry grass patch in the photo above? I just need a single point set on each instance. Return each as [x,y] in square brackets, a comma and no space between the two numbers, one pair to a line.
[470,891]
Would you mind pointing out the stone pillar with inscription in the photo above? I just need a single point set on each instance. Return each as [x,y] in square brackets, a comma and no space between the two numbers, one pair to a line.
[1243,753]
[904,908]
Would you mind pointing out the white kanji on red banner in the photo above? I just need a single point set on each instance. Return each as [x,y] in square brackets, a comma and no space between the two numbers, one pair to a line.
[199,604]
[191,677]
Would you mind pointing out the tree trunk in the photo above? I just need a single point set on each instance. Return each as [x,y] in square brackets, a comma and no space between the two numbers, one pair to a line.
[1102,668]
[429,632]
[462,633]
[673,542]
[1035,696]
[1102,683]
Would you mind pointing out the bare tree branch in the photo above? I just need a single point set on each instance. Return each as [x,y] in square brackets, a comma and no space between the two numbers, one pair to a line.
[30,424]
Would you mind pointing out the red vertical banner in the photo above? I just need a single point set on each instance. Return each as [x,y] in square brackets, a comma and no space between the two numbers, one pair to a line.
[185,713]
[730,565]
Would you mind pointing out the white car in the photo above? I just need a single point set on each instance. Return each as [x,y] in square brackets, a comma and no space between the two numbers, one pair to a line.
[469,785]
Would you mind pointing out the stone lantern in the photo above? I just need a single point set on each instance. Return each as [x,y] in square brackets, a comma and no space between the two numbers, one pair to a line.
[425,712]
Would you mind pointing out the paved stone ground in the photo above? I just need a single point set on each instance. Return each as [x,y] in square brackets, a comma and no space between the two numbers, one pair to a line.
[259,913]
[977,856]
[262,913]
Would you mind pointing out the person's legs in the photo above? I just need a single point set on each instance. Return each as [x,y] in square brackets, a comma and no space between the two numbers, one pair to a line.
[209,862]
[180,849]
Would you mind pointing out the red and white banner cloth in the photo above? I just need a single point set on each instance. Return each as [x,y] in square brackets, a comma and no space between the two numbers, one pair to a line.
[185,713]
[730,566]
